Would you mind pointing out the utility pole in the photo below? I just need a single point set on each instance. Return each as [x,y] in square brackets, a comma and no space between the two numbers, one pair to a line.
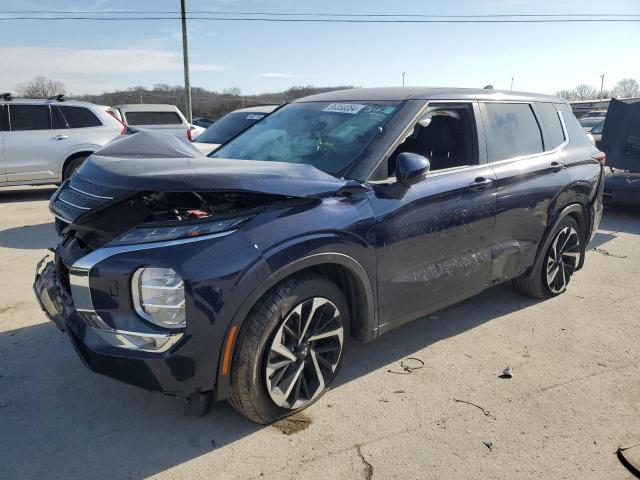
[185,58]
[512,83]
[403,78]
[601,85]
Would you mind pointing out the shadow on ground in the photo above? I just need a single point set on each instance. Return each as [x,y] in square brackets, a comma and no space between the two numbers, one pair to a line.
[32,194]
[29,237]
[87,426]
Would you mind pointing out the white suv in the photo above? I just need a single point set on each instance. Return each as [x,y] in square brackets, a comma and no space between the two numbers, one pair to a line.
[45,141]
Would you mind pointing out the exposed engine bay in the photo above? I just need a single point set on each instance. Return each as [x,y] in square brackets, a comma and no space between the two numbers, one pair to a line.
[161,209]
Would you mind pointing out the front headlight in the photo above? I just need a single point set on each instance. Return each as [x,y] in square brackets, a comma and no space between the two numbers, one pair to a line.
[160,234]
[158,296]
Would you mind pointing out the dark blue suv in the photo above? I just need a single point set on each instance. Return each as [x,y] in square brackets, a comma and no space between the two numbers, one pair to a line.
[242,275]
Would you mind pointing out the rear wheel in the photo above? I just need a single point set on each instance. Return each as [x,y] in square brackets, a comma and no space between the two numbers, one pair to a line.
[289,349]
[71,167]
[552,272]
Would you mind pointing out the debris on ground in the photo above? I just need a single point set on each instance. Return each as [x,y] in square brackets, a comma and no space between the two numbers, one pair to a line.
[630,458]
[602,251]
[408,365]
[507,373]
[293,424]
[398,391]
[487,413]
[488,444]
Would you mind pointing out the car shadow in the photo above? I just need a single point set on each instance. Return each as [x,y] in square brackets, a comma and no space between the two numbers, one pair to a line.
[30,194]
[88,426]
[29,237]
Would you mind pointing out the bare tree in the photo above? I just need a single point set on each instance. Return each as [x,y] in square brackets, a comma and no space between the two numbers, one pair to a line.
[234,91]
[566,94]
[41,87]
[585,92]
[625,88]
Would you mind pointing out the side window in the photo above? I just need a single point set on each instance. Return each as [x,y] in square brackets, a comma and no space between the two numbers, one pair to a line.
[80,117]
[57,120]
[447,138]
[514,131]
[153,118]
[29,117]
[550,118]
[4,124]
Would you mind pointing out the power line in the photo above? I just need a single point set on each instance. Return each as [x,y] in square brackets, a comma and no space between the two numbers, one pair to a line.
[290,14]
[330,20]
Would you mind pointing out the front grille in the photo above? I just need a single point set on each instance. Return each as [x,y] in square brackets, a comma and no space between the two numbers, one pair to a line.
[79,195]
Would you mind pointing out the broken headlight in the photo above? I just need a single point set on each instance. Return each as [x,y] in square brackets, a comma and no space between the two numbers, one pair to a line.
[158,296]
[144,234]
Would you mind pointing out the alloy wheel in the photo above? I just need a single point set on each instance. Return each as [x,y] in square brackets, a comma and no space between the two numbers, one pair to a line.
[562,259]
[304,353]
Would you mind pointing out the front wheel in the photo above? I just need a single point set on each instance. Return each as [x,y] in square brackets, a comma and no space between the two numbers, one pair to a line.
[552,272]
[289,349]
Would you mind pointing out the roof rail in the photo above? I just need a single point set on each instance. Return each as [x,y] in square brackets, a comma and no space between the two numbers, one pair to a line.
[58,98]
[6,96]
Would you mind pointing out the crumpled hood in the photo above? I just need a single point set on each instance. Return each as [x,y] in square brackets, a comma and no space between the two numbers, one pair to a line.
[149,160]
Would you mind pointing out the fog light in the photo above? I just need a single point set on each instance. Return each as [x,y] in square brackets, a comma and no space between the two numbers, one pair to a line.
[158,296]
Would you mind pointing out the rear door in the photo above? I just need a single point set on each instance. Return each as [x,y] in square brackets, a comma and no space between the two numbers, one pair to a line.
[36,144]
[524,141]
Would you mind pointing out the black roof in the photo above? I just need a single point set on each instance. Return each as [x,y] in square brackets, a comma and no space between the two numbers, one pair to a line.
[427,93]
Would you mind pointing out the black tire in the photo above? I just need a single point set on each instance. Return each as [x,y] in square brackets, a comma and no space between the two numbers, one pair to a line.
[71,167]
[254,348]
[536,284]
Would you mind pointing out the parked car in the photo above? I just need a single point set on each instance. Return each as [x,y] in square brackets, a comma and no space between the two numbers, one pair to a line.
[621,143]
[595,113]
[164,118]
[203,122]
[340,215]
[589,122]
[45,141]
[230,125]
[596,132]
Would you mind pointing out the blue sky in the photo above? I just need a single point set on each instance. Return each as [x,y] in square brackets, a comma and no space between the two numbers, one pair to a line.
[91,57]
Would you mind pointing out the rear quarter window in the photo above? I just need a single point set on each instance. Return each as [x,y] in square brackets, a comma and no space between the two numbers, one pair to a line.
[153,118]
[550,119]
[80,117]
[514,131]
[29,117]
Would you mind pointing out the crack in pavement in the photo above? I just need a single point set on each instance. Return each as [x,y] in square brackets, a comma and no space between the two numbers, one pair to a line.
[368,468]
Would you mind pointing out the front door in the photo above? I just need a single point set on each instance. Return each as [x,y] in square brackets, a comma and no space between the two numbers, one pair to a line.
[434,238]
[36,144]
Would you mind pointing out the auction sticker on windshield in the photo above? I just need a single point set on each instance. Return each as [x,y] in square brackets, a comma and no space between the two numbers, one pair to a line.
[254,116]
[343,108]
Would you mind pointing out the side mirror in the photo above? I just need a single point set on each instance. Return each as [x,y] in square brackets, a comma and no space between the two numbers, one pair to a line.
[411,168]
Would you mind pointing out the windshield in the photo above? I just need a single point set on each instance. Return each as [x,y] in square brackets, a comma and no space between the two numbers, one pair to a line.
[229,126]
[326,135]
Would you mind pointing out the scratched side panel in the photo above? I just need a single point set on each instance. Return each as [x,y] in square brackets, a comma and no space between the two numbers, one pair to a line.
[432,243]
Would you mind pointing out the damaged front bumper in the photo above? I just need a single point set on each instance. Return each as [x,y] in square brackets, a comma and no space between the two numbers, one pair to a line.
[622,188]
[137,358]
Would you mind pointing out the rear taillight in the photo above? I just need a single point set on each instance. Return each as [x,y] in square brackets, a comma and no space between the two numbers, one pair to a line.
[124,125]
[189,136]
[600,157]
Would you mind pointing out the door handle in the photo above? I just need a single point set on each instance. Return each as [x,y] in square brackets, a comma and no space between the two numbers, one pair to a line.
[480,183]
[60,137]
[556,166]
